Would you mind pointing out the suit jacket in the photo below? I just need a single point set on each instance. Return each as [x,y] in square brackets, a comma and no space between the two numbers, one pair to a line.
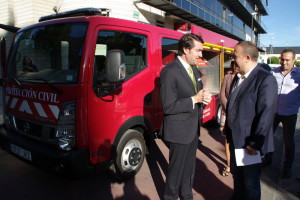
[250,111]
[181,121]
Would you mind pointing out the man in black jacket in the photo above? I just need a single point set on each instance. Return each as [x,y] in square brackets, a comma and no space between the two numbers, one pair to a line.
[182,93]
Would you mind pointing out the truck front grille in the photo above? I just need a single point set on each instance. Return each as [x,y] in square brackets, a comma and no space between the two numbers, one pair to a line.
[35,130]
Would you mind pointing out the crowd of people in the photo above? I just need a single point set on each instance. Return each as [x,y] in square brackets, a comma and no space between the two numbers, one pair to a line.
[255,99]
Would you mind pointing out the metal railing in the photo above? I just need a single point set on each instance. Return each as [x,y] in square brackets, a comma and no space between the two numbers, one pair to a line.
[249,8]
[199,9]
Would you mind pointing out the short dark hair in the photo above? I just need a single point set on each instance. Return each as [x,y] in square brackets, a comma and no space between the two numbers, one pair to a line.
[187,41]
[289,51]
[249,48]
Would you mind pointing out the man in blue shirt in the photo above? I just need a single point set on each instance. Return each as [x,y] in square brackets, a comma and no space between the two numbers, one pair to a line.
[288,103]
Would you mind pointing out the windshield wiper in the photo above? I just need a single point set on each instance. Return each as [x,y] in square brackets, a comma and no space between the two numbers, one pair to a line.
[16,81]
[57,90]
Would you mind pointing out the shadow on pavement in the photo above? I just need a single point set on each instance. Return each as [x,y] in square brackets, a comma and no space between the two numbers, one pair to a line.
[19,180]
[212,156]
[208,184]
[205,182]
[157,161]
[131,192]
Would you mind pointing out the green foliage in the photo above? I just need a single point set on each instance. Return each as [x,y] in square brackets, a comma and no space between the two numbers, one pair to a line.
[297,63]
[273,60]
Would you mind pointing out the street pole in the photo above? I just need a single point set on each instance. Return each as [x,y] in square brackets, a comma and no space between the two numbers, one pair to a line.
[252,28]
[271,50]
[231,17]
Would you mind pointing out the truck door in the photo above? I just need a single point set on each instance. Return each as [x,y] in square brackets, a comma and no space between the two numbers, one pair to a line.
[111,105]
[167,54]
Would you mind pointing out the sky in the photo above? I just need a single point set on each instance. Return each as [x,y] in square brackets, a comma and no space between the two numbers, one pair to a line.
[282,24]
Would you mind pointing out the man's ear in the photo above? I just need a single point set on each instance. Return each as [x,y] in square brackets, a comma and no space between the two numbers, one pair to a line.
[248,58]
[185,50]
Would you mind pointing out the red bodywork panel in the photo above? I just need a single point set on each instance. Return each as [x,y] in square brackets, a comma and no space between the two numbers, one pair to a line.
[210,110]
[214,38]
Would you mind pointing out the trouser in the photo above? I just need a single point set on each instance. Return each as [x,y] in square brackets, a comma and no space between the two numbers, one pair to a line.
[289,125]
[180,177]
[246,179]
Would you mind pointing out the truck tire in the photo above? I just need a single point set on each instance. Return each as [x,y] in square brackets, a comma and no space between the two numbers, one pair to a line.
[130,154]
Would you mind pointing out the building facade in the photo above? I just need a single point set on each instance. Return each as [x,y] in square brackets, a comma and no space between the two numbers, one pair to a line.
[221,22]
[237,19]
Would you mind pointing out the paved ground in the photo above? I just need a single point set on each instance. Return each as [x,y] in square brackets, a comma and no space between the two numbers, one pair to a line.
[273,187]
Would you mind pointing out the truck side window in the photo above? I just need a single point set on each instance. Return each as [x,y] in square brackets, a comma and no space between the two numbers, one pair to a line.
[134,47]
[212,66]
[169,50]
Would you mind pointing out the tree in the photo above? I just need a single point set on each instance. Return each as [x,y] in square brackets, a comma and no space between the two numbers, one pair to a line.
[297,63]
[273,60]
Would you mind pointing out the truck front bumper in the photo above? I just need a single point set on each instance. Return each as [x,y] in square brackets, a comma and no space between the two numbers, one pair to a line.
[74,161]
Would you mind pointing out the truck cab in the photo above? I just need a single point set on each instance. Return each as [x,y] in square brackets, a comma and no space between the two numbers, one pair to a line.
[83,91]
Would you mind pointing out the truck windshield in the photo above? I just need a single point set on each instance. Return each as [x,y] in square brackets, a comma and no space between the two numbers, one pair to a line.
[52,53]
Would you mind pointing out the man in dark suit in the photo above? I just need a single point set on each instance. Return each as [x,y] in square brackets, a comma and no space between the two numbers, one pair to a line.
[249,118]
[182,93]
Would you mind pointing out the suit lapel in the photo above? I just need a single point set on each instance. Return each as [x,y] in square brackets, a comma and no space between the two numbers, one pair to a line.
[185,74]
[198,78]
[233,93]
[245,86]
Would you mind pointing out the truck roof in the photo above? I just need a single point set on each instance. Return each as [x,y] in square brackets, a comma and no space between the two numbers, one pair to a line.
[98,19]
[73,13]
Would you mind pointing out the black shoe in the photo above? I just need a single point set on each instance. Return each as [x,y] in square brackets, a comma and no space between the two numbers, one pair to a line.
[298,193]
[286,173]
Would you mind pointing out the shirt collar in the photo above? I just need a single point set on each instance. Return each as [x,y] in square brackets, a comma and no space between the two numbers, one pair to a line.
[185,64]
[295,69]
[247,74]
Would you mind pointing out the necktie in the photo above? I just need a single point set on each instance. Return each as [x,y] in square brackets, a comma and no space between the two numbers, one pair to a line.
[242,78]
[191,74]
[238,82]
[235,84]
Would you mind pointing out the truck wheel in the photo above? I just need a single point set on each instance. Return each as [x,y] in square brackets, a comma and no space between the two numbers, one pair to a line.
[130,154]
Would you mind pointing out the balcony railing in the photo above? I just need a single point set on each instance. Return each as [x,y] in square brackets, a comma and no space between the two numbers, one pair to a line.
[249,8]
[197,8]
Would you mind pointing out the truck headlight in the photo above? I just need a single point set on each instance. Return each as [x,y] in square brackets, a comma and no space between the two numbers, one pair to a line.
[65,132]
[7,120]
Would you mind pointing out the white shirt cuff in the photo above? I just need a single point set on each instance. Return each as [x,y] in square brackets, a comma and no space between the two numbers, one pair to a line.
[193,103]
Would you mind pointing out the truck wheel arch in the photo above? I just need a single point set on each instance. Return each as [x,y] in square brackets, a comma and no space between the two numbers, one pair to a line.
[139,123]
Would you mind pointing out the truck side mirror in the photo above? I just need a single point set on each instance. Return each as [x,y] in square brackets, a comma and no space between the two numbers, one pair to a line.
[115,66]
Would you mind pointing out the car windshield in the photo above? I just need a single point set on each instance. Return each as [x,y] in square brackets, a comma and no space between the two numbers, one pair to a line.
[49,53]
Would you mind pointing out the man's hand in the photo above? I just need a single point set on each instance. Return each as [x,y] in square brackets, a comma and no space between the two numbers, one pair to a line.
[203,96]
[251,151]
[206,97]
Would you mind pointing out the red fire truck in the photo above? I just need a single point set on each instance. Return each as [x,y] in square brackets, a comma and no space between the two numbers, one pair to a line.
[83,91]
